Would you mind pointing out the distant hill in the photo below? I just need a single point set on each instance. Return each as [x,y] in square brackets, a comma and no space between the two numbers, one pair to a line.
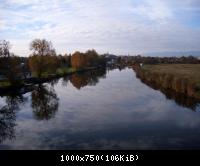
[173,53]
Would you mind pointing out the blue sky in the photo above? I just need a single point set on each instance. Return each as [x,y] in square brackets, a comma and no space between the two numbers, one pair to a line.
[115,26]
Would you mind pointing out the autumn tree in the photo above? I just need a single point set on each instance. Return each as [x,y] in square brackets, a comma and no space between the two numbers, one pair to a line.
[78,60]
[89,59]
[43,56]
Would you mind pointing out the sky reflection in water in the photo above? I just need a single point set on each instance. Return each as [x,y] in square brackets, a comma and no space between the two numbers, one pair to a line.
[97,110]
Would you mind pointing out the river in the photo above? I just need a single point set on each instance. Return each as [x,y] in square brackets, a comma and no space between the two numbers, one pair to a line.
[105,109]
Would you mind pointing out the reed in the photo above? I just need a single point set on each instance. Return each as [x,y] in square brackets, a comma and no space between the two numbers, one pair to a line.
[182,78]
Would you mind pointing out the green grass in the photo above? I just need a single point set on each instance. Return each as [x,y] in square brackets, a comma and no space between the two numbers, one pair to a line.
[4,84]
[59,71]
[65,70]
[45,74]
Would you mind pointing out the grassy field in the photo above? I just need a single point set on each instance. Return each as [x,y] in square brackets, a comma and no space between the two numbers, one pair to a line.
[184,78]
[189,71]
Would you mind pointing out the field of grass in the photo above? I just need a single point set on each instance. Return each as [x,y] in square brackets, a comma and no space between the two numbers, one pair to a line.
[183,78]
[188,71]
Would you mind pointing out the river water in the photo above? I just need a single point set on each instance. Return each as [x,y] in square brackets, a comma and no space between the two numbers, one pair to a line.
[105,109]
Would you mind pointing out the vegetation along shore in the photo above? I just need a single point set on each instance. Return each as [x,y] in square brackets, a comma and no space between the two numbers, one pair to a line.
[181,74]
[43,64]
[182,78]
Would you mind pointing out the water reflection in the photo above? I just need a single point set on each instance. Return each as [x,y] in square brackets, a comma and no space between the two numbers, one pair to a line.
[8,116]
[44,102]
[7,123]
[65,81]
[14,101]
[89,78]
[54,82]
[119,112]
[179,98]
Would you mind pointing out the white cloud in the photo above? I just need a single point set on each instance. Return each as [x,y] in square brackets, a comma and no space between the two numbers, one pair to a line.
[2,24]
[23,2]
[116,26]
[155,10]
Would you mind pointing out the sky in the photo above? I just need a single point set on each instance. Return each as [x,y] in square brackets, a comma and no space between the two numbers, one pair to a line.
[114,26]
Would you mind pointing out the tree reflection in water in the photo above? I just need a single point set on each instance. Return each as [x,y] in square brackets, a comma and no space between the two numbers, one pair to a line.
[89,78]
[54,82]
[8,116]
[44,102]
[65,81]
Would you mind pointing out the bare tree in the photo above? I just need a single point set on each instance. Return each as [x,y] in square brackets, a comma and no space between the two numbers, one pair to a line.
[42,47]
[9,63]
[4,48]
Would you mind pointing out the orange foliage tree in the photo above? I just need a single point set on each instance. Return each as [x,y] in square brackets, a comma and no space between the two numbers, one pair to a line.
[89,59]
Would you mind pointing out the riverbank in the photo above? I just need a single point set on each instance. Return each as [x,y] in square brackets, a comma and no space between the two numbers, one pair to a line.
[5,86]
[182,78]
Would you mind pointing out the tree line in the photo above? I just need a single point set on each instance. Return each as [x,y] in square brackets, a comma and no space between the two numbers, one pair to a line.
[44,61]
[159,60]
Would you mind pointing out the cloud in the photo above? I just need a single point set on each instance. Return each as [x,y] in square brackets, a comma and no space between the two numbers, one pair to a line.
[154,10]
[2,24]
[116,26]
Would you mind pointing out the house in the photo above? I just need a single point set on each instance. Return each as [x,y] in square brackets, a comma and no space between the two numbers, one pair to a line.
[110,59]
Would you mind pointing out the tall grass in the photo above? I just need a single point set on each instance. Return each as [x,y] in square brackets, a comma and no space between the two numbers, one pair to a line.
[182,78]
